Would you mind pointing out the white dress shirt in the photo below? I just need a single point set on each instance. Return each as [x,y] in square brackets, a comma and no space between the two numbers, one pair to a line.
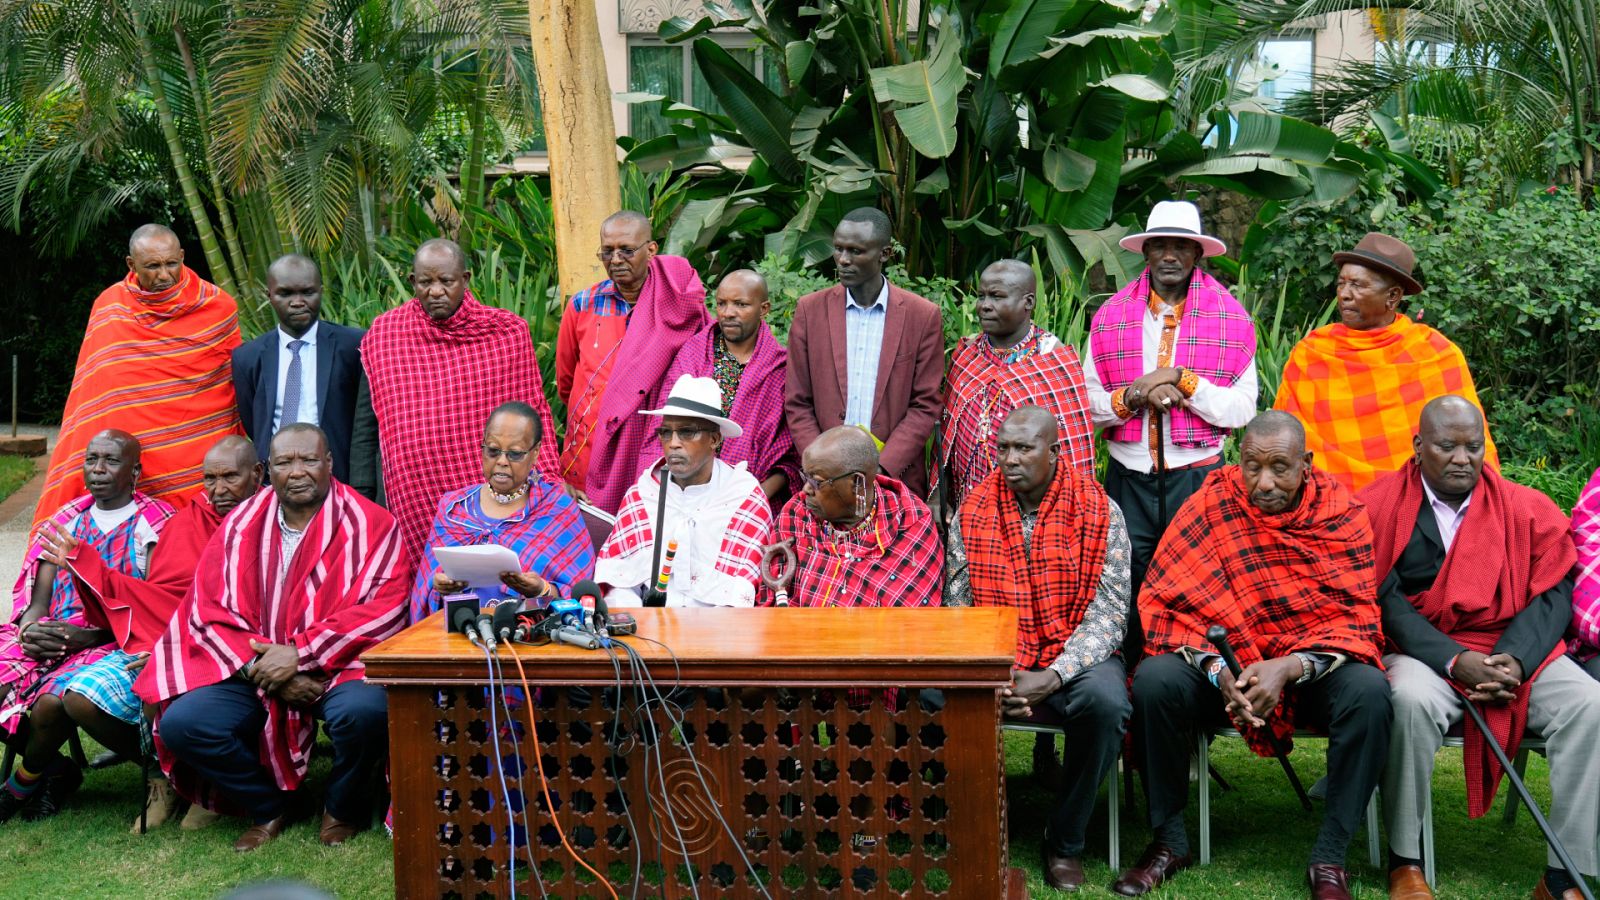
[308,376]
[863,337]
[1225,407]
[1448,518]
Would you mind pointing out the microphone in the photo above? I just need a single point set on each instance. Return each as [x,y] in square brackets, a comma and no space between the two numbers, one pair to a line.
[459,612]
[566,634]
[505,620]
[485,628]
[587,593]
[601,615]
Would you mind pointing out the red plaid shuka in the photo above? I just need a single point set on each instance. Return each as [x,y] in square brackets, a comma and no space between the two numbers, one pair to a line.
[894,558]
[1063,570]
[757,406]
[985,385]
[433,387]
[344,592]
[1297,580]
[1512,545]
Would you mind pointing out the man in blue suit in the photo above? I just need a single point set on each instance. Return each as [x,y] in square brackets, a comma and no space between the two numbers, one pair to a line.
[307,370]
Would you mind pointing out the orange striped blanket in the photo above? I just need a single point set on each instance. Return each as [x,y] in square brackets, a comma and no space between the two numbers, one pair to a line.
[1360,394]
[157,365]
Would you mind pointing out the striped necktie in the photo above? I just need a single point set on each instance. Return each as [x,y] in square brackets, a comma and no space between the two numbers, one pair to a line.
[291,386]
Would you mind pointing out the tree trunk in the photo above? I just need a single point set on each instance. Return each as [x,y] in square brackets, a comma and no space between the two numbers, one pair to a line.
[220,274]
[580,135]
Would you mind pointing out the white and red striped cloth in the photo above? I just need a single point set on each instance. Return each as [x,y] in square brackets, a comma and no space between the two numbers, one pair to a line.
[345,591]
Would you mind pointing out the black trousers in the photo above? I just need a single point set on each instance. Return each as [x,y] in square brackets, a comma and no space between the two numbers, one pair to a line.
[1094,709]
[1172,700]
[1138,495]
[217,730]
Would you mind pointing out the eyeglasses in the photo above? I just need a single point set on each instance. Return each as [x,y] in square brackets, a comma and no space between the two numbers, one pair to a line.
[512,456]
[664,435]
[813,484]
[605,254]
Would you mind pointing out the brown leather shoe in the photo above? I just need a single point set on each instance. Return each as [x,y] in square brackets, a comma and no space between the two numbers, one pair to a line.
[1328,882]
[1542,892]
[256,835]
[1408,883]
[335,832]
[1064,873]
[1155,865]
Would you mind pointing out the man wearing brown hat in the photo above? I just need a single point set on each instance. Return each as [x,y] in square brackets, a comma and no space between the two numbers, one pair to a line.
[1359,384]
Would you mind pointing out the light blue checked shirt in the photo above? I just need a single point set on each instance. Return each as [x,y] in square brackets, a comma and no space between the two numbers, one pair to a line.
[863,337]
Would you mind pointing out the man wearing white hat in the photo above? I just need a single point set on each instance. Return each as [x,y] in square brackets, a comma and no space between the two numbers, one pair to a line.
[1171,369]
[708,527]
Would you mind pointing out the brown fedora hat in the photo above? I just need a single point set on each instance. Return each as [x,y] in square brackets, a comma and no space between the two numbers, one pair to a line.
[1388,254]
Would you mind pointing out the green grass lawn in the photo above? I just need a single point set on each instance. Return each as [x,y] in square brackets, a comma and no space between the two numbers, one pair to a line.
[14,473]
[1260,838]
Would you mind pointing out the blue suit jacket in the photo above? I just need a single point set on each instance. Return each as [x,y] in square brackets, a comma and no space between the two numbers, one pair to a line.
[343,402]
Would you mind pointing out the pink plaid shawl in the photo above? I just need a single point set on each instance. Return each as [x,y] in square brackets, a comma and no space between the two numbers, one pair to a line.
[1216,338]
[345,591]
[433,387]
[758,407]
[671,309]
[1586,593]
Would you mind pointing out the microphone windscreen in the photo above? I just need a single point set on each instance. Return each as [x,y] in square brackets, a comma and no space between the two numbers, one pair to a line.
[505,616]
[463,616]
[586,588]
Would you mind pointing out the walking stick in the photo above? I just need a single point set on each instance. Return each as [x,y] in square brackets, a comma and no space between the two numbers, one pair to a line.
[1161,469]
[1218,636]
[778,580]
[1527,800]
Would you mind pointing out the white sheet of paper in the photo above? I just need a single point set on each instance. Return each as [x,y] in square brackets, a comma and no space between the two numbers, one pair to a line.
[479,565]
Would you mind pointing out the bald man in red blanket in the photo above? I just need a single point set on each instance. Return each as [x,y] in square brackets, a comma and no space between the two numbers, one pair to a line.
[1476,577]
[293,588]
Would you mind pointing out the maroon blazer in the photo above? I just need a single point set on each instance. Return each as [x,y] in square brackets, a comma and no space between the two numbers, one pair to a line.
[908,402]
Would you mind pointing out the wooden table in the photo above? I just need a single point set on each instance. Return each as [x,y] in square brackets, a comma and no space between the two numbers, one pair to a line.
[829,792]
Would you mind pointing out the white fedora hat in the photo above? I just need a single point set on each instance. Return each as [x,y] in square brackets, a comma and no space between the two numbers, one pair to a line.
[1175,218]
[699,398]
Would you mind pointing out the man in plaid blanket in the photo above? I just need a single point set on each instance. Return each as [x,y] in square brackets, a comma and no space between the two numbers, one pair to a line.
[1280,554]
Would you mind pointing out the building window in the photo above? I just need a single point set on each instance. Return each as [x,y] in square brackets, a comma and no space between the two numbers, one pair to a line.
[665,69]
[1288,62]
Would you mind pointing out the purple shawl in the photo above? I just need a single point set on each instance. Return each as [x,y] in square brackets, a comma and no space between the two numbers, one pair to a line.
[1216,338]
[670,310]
[758,407]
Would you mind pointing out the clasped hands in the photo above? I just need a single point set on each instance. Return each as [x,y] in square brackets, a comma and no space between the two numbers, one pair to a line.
[1492,679]
[1026,689]
[49,641]
[276,670]
[1156,390]
[1255,693]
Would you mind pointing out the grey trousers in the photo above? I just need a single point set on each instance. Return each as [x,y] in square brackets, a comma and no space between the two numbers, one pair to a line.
[1563,708]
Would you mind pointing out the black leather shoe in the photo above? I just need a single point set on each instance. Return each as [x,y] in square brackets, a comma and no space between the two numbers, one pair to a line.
[1155,866]
[59,785]
[1064,873]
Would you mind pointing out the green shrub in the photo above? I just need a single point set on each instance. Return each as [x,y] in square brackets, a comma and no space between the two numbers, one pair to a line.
[1515,287]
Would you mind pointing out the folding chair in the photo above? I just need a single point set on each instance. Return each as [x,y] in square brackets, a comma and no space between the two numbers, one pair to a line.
[1203,753]
[1040,723]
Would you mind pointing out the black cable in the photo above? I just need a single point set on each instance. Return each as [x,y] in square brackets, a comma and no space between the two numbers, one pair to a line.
[716,807]
[622,793]
[505,791]
[654,746]
[516,754]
